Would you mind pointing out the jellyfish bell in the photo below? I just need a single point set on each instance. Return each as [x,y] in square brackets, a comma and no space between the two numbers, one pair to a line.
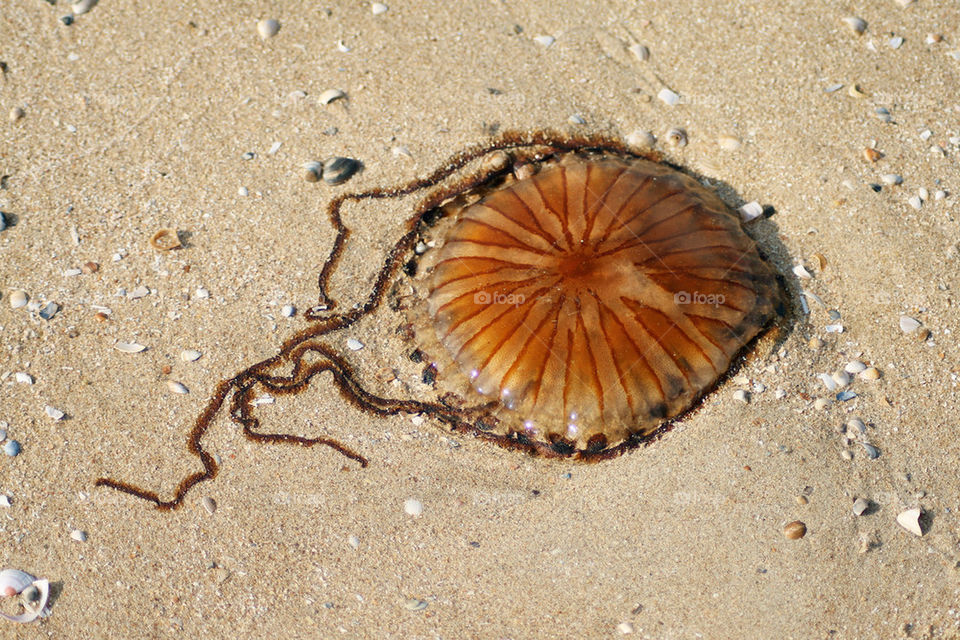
[598,298]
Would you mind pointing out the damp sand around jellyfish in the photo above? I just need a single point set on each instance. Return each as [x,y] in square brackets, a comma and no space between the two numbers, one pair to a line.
[570,297]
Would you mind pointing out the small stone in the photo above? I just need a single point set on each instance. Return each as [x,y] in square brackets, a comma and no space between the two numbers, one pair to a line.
[544,41]
[625,628]
[11,448]
[23,378]
[54,413]
[891,179]
[413,507]
[190,355]
[871,155]
[915,202]
[859,506]
[209,504]
[338,170]
[288,311]
[846,454]
[89,267]
[268,28]
[176,387]
[15,114]
[378,8]
[910,520]
[79,535]
[815,344]
[201,294]
[354,345]
[741,396]
[802,500]
[795,530]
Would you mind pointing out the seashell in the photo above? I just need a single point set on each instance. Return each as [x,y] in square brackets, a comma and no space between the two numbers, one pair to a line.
[856,25]
[676,137]
[640,51]
[165,240]
[268,28]
[908,324]
[82,6]
[641,139]
[750,211]
[910,520]
[312,171]
[891,179]
[176,387]
[729,143]
[378,8]
[13,581]
[544,41]
[668,97]
[339,169]
[190,355]
[330,95]
[129,347]
[18,299]
[854,366]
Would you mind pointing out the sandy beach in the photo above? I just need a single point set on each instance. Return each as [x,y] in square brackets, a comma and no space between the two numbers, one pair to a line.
[842,120]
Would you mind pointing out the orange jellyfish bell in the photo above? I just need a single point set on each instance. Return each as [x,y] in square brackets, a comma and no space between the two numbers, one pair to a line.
[597,298]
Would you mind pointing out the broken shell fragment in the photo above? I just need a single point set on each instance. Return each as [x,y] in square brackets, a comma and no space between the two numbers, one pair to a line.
[14,581]
[129,347]
[165,240]
[330,95]
[910,520]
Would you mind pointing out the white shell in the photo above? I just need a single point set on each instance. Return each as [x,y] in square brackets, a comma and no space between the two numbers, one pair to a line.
[190,355]
[18,299]
[53,412]
[82,6]
[910,520]
[330,95]
[544,41]
[641,139]
[129,347]
[413,507]
[669,97]
[177,387]
[378,8]
[750,211]
[33,610]
[640,51]
[857,25]
[908,324]
[268,28]
[676,136]
[13,581]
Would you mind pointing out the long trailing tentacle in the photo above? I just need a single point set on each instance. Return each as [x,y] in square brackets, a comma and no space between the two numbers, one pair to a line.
[294,350]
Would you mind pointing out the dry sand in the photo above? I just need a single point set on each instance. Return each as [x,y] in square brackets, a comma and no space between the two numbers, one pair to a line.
[137,116]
